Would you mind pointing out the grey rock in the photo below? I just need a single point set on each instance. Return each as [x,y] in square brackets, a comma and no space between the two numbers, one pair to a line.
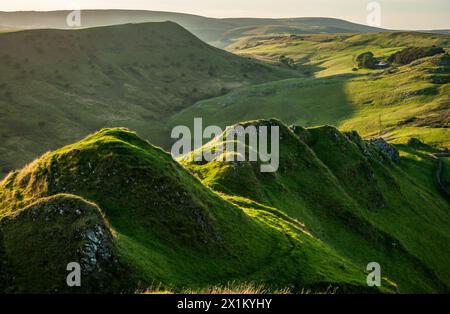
[387,148]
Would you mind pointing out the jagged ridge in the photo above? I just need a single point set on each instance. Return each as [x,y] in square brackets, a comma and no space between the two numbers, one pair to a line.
[165,225]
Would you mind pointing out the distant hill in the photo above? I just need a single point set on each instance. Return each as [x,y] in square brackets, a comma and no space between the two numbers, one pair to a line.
[58,85]
[440,31]
[218,32]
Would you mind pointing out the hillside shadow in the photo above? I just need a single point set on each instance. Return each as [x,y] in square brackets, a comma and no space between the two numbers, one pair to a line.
[306,101]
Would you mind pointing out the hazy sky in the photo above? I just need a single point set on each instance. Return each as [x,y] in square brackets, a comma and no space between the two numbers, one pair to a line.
[395,14]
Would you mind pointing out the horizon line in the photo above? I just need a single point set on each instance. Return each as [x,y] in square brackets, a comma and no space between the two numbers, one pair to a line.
[223,18]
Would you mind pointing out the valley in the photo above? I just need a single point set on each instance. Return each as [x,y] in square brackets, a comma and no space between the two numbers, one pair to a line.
[398,103]
[86,117]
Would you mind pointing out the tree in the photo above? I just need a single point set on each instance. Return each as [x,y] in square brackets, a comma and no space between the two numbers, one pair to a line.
[287,61]
[366,60]
[411,54]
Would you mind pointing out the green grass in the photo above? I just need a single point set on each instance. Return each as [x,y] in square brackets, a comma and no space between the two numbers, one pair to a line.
[355,199]
[58,86]
[333,53]
[336,203]
[293,100]
[39,240]
[166,227]
[446,172]
[398,103]
[64,85]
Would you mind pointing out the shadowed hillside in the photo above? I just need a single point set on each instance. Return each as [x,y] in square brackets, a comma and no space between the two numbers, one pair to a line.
[57,86]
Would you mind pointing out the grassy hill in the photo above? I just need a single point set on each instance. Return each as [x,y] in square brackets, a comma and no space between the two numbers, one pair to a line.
[351,196]
[217,32]
[398,103]
[115,197]
[58,86]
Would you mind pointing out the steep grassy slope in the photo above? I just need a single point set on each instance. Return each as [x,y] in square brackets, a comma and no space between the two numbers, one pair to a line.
[400,103]
[350,195]
[57,86]
[218,32]
[115,196]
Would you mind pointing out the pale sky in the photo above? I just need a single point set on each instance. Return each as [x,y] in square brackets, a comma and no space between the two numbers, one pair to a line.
[395,14]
